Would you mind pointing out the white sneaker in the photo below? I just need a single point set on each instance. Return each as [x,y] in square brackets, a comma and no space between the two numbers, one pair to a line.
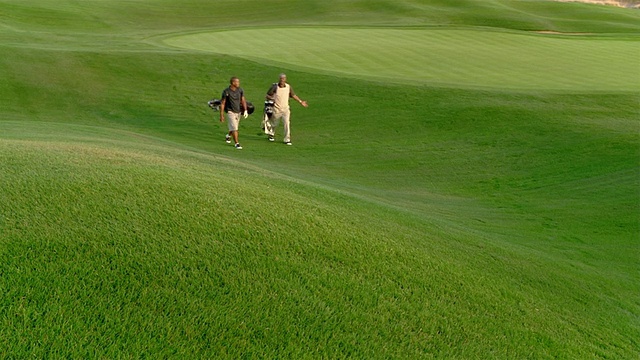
[227,138]
[271,138]
[238,146]
[288,142]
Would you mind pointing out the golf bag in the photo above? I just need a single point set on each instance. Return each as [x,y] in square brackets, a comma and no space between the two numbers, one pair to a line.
[267,114]
[214,104]
[250,108]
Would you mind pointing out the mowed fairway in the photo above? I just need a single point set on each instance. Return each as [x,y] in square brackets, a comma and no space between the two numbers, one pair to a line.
[461,58]
[461,186]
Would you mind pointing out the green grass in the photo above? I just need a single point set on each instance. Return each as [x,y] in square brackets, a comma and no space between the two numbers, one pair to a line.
[461,58]
[418,214]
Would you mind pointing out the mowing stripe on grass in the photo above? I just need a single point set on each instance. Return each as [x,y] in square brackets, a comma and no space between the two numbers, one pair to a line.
[452,57]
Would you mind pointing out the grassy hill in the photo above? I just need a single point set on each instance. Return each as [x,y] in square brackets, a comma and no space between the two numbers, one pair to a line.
[457,201]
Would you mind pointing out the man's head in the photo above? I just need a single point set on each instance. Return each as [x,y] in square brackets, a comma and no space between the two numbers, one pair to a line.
[235,82]
[283,79]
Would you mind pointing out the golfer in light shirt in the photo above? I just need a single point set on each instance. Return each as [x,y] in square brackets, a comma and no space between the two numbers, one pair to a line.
[280,93]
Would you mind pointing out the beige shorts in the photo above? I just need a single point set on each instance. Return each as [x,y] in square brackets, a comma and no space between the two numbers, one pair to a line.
[233,121]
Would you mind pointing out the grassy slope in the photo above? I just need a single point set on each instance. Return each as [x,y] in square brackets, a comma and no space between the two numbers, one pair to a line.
[517,206]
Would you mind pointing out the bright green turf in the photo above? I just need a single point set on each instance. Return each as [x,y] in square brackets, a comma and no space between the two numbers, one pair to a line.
[466,58]
[407,221]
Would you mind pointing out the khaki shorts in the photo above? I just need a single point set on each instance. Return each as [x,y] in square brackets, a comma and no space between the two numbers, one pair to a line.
[233,121]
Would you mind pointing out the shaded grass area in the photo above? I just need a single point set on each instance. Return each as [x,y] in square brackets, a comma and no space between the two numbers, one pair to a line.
[440,148]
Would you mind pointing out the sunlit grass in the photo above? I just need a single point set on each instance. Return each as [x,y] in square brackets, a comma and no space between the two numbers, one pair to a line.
[468,58]
[407,221]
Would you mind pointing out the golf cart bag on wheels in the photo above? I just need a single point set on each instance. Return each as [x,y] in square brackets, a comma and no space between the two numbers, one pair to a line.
[267,114]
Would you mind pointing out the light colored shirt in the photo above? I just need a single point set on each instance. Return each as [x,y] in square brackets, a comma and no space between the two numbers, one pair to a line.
[281,96]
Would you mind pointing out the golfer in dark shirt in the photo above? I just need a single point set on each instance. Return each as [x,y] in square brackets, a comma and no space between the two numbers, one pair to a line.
[233,102]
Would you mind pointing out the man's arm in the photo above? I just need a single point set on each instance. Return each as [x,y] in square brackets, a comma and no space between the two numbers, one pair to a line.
[223,102]
[302,102]
[243,101]
[296,98]
[271,93]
